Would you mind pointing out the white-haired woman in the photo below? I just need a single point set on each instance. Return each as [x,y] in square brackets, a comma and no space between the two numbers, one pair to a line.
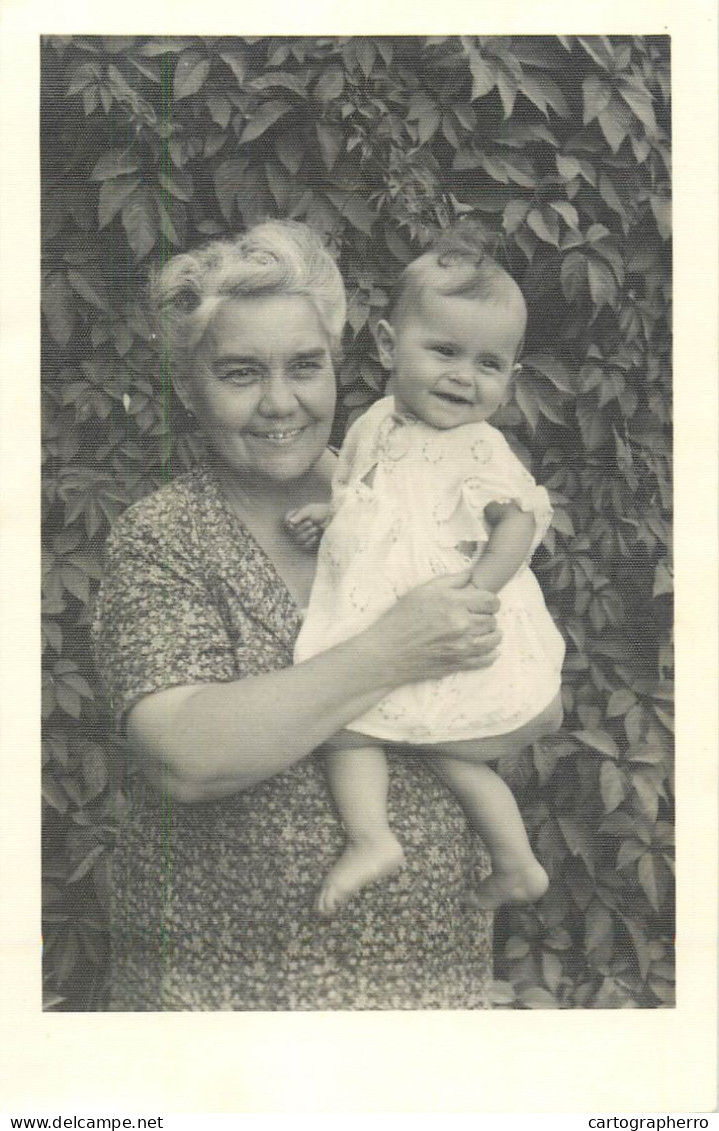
[229,825]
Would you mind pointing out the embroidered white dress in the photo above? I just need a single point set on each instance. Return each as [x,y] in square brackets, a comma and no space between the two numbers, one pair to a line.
[408,505]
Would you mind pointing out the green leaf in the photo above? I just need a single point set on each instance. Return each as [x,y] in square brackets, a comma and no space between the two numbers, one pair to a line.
[578,839]
[568,167]
[178,183]
[165,45]
[114,193]
[330,140]
[235,60]
[663,580]
[483,76]
[508,87]
[53,794]
[598,740]
[516,948]
[528,402]
[58,307]
[620,702]
[639,100]
[514,215]
[562,521]
[551,970]
[86,864]
[567,211]
[599,48]
[552,368]
[355,209]
[94,769]
[598,929]
[536,997]
[612,786]
[574,276]
[545,225]
[612,125]
[220,109]
[610,195]
[291,151]
[646,870]
[228,178]
[190,74]
[139,221]
[602,284]
[264,118]
[503,993]
[330,84]
[114,163]
[596,94]
[279,79]
[629,852]
[553,95]
[662,210]
[87,291]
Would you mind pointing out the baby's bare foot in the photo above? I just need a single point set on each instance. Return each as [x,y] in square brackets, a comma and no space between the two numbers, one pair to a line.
[520,885]
[358,866]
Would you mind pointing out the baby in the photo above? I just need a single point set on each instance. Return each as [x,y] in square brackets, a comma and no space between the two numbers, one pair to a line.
[424,487]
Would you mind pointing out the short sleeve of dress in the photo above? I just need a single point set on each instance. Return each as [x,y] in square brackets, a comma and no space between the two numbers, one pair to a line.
[496,475]
[359,449]
[155,624]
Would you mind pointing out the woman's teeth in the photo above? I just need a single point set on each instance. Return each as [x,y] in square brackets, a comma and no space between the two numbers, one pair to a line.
[280,437]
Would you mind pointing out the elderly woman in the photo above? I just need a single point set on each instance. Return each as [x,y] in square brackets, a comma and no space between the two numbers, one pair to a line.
[229,825]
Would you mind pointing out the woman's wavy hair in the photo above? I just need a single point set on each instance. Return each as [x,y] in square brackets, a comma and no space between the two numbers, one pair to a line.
[276,257]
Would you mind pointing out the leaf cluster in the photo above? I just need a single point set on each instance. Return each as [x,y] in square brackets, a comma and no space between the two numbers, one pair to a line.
[559,147]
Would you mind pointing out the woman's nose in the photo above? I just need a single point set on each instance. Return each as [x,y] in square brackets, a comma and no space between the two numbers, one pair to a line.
[278,397]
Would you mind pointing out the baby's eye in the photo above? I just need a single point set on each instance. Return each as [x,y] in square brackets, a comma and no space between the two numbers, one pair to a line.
[444,350]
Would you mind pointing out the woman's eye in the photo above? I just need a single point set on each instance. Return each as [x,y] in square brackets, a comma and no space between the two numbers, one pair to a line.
[307,367]
[244,376]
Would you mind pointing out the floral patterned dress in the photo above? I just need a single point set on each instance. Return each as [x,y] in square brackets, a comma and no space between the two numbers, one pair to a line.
[212,903]
[408,504]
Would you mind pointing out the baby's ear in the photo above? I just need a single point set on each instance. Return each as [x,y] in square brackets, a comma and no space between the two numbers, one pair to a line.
[385,338]
[509,391]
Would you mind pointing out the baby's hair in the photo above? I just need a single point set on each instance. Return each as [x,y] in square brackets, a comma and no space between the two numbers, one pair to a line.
[458,263]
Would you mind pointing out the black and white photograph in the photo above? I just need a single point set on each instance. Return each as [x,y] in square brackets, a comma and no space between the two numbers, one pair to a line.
[357,404]
[358,523]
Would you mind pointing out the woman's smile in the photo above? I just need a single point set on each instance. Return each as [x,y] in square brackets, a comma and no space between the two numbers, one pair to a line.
[283,437]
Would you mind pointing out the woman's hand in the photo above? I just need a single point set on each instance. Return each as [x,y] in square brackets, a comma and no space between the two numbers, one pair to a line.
[446,625]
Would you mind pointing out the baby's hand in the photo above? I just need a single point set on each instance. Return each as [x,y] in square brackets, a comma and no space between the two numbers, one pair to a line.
[307,524]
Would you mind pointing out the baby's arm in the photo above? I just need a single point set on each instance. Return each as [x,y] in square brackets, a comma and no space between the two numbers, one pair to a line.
[307,524]
[509,544]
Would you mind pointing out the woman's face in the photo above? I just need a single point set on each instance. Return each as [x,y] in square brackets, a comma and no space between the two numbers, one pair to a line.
[264,387]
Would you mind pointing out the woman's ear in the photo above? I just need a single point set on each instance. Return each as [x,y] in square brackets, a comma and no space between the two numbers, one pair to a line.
[385,338]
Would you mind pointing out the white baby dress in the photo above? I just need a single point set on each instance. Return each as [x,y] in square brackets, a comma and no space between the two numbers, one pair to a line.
[408,505]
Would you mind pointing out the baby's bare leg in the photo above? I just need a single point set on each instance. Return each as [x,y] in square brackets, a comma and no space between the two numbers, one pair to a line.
[517,876]
[359,781]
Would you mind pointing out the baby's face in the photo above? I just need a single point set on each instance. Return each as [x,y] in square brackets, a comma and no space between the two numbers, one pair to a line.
[454,358]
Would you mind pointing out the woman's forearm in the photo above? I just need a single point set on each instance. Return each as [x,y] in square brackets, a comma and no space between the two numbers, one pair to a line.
[209,741]
[206,741]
